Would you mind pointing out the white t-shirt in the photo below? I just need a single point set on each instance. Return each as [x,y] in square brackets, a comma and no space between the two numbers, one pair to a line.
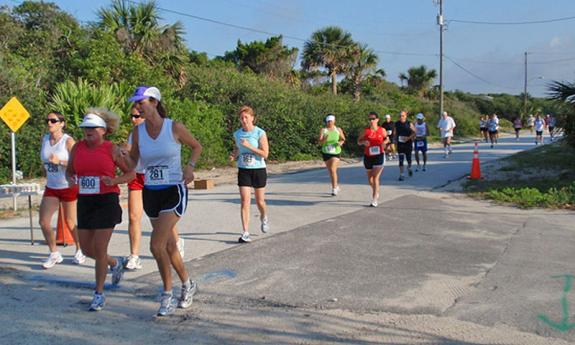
[446,126]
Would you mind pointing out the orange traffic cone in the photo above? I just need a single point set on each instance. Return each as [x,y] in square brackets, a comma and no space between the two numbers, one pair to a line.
[475,165]
[63,233]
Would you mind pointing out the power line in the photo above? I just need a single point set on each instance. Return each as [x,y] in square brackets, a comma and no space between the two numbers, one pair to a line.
[543,21]
[245,28]
[476,76]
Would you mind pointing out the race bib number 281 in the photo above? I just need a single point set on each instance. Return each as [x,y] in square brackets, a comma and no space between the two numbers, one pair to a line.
[157,175]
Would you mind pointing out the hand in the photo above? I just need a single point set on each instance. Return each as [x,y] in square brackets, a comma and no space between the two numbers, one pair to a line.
[54,159]
[340,143]
[188,174]
[231,158]
[108,181]
[245,143]
[71,181]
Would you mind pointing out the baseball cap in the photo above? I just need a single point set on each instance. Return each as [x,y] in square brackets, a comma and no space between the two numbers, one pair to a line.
[330,117]
[420,116]
[93,121]
[143,92]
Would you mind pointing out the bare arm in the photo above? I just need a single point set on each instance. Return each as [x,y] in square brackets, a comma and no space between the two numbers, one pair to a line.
[184,136]
[263,146]
[341,136]
[70,172]
[322,136]
[130,154]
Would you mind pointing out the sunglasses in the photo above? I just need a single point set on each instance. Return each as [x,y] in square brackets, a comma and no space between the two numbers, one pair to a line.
[372,118]
[136,116]
[52,121]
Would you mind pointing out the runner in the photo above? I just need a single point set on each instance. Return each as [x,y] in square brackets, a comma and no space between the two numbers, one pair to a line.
[55,153]
[157,142]
[539,124]
[389,126]
[404,135]
[421,134]
[331,139]
[493,126]
[551,126]
[136,206]
[251,150]
[92,166]
[531,122]
[446,126]
[483,127]
[517,125]
[373,138]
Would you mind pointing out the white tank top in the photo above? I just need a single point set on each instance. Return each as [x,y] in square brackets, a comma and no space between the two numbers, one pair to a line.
[55,174]
[420,129]
[139,167]
[160,157]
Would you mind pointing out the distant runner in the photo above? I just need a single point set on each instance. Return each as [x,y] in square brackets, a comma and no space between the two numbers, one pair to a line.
[421,134]
[404,135]
[483,127]
[446,126]
[331,139]
[493,125]
[517,125]
[373,138]
[389,126]
[539,124]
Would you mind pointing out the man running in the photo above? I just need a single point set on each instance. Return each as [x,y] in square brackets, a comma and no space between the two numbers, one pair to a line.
[493,126]
[389,127]
[404,135]
[539,124]
[530,123]
[552,121]
[446,126]
[421,134]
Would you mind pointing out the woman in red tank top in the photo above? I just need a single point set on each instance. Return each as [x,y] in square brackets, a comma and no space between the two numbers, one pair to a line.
[373,138]
[92,167]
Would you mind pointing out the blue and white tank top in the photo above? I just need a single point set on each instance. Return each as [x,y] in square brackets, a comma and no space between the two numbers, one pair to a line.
[160,157]
[55,174]
[247,159]
[420,129]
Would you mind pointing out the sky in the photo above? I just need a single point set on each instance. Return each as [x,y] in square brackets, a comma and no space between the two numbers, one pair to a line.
[403,33]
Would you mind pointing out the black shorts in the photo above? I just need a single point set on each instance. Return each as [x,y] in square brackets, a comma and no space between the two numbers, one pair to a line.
[99,211]
[370,162]
[483,129]
[174,198]
[256,178]
[538,132]
[493,132]
[404,152]
[517,130]
[328,156]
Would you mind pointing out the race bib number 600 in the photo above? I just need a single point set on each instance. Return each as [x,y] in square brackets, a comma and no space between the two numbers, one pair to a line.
[89,184]
[157,175]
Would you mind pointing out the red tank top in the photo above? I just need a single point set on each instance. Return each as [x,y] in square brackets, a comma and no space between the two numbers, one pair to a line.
[375,139]
[91,164]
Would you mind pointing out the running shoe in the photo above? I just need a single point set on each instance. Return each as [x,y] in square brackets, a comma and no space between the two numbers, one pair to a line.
[335,191]
[166,305]
[53,259]
[401,178]
[245,238]
[97,302]
[181,248]
[417,168]
[265,225]
[79,257]
[134,262]
[187,294]
[118,271]
[373,203]
[424,168]
[409,172]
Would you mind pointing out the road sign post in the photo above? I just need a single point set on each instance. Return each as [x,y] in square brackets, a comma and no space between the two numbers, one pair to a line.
[14,116]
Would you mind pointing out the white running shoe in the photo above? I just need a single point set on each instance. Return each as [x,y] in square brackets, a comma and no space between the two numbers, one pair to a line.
[166,305]
[118,270]
[335,191]
[181,248]
[245,238]
[373,203]
[97,302]
[265,226]
[134,262]
[79,257]
[187,294]
[53,259]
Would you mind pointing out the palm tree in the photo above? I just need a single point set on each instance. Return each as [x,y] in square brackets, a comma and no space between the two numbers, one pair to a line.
[363,62]
[565,92]
[328,48]
[418,79]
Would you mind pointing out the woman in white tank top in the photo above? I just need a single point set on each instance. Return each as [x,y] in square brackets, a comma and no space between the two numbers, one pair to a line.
[56,147]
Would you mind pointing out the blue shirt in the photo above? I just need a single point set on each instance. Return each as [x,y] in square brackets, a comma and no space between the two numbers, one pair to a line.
[247,159]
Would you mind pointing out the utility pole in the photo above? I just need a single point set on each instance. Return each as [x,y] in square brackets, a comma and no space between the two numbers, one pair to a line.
[525,89]
[441,23]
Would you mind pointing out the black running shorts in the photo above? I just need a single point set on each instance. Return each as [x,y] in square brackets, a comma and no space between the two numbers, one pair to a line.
[256,178]
[99,211]
[173,198]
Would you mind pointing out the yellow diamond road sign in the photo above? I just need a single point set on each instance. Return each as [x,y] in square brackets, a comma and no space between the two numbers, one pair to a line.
[14,114]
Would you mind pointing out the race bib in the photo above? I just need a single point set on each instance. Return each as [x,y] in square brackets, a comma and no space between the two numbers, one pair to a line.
[51,168]
[247,159]
[89,184]
[374,150]
[402,139]
[420,143]
[157,175]
[330,148]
